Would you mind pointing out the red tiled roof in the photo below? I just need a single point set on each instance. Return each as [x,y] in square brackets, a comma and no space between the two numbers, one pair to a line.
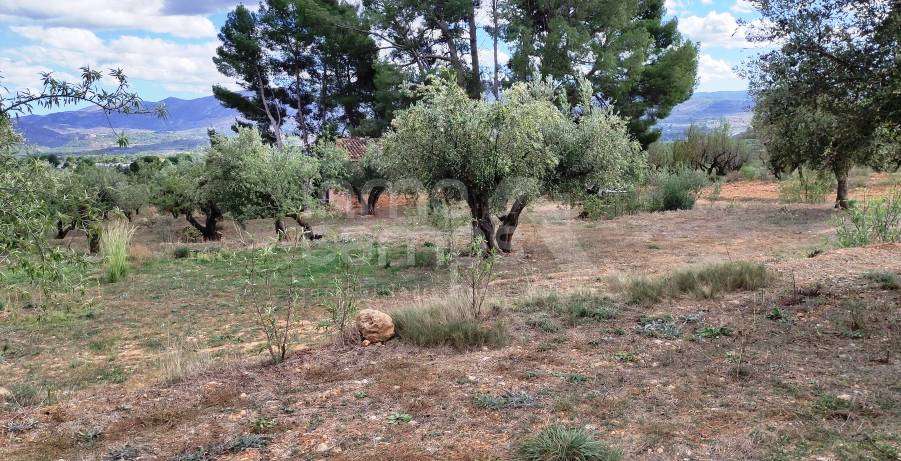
[355,147]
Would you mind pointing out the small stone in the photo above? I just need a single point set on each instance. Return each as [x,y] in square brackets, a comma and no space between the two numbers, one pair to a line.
[845,397]
[366,342]
[322,447]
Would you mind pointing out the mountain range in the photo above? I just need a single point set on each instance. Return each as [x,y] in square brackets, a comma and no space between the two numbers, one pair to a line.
[185,128]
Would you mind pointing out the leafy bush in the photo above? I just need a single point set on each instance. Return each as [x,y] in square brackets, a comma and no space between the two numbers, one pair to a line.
[561,443]
[675,190]
[444,326]
[182,252]
[800,188]
[114,248]
[706,282]
[754,170]
[874,221]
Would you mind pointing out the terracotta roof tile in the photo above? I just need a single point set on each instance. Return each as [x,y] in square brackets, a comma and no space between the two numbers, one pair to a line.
[355,147]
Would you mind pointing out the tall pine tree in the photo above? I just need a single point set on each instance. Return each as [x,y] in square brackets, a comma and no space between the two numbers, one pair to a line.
[635,58]
[299,65]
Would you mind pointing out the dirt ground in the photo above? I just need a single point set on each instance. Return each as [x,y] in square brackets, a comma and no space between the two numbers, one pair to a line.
[801,387]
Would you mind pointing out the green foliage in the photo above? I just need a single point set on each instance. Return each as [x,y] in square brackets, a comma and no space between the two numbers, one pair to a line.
[507,153]
[777,314]
[445,326]
[506,400]
[114,240]
[713,150]
[561,443]
[613,205]
[872,221]
[675,190]
[575,307]
[182,253]
[624,356]
[821,99]
[312,57]
[886,280]
[399,418]
[707,281]
[800,188]
[713,332]
[630,51]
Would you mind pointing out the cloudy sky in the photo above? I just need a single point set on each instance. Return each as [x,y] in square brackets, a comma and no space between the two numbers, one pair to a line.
[165,46]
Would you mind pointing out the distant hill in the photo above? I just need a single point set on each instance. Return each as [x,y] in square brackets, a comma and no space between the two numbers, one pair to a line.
[707,109]
[87,130]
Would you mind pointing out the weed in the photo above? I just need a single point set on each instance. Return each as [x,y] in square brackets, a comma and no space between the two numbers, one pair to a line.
[443,326]
[561,443]
[102,345]
[262,425]
[114,248]
[544,324]
[707,282]
[182,253]
[777,314]
[114,375]
[857,321]
[873,221]
[360,395]
[29,395]
[180,361]
[713,332]
[342,305]
[662,326]
[625,357]
[88,436]
[886,280]
[126,453]
[17,427]
[575,378]
[806,189]
[579,306]
[399,418]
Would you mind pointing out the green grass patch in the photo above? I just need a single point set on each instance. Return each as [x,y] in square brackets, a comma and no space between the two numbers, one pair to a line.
[704,282]
[561,443]
[573,308]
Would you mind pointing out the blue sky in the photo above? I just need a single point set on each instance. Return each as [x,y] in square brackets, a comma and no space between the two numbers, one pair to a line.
[165,46]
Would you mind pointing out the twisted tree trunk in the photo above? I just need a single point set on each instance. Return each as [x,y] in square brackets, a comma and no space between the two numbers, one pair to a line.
[508,225]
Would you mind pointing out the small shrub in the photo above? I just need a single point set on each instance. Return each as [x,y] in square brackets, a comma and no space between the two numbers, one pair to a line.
[874,221]
[561,443]
[443,326]
[182,253]
[114,247]
[675,190]
[857,320]
[886,280]
[625,356]
[707,282]
[754,170]
[579,306]
[800,188]
[575,378]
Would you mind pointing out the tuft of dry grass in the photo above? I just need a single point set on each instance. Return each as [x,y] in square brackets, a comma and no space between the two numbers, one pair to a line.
[705,282]
[447,324]
[114,241]
[179,361]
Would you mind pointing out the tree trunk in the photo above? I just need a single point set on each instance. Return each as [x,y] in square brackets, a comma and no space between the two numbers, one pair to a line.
[307,227]
[93,240]
[475,80]
[841,192]
[508,225]
[482,225]
[210,228]
[494,31]
[374,194]
[280,231]
[62,230]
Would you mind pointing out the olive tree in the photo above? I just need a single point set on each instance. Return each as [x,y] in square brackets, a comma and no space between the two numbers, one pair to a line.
[504,154]
[255,180]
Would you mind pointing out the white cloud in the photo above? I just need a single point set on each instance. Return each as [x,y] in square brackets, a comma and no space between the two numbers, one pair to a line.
[175,66]
[486,58]
[707,2]
[743,6]
[717,75]
[717,30]
[146,15]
